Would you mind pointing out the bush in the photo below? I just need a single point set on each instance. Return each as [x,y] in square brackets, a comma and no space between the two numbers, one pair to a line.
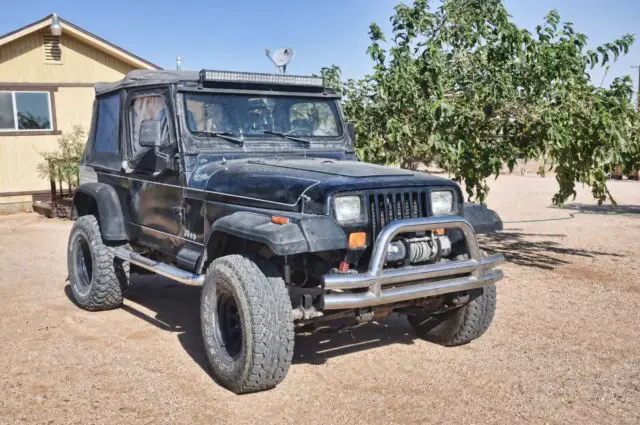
[65,160]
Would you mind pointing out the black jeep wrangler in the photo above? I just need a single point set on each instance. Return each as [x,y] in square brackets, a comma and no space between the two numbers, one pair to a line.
[248,185]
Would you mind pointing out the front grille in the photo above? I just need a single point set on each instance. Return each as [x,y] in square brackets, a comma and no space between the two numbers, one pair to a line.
[386,206]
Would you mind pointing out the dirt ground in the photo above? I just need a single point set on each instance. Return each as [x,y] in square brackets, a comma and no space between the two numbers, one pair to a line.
[563,348]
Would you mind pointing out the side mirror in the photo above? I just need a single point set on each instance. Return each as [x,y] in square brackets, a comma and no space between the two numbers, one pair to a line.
[150,133]
[351,130]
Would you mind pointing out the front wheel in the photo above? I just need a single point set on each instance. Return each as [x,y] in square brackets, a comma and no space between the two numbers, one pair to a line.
[97,278]
[247,324]
[461,325]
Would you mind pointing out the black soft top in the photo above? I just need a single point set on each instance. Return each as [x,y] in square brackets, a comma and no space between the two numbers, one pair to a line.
[146,77]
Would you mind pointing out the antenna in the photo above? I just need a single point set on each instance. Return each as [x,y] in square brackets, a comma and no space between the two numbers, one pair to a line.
[280,58]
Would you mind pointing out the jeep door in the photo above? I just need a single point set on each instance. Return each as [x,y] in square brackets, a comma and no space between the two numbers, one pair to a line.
[155,189]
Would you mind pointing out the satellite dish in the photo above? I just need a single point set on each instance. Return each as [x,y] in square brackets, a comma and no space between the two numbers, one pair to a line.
[281,57]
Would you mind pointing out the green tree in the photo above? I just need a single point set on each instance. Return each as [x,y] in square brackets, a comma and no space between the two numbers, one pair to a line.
[66,158]
[460,84]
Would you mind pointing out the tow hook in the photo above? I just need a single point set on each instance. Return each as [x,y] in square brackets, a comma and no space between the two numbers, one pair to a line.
[363,316]
[301,313]
[460,300]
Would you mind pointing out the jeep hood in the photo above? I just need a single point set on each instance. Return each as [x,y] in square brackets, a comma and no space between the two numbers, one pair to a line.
[280,183]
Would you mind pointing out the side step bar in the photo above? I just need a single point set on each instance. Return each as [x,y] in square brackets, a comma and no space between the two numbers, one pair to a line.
[157,267]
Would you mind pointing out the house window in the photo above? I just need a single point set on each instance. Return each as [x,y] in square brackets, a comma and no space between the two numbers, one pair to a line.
[25,111]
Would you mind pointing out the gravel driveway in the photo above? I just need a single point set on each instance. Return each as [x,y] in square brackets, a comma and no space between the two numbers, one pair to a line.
[564,346]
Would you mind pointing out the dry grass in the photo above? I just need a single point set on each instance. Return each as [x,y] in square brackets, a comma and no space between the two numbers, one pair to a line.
[563,347]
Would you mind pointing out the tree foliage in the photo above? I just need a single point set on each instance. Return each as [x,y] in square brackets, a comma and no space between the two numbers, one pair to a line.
[461,85]
[66,158]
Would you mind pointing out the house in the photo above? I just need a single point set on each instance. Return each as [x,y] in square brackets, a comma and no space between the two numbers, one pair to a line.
[48,70]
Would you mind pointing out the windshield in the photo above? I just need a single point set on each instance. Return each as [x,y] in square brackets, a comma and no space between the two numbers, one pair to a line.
[250,116]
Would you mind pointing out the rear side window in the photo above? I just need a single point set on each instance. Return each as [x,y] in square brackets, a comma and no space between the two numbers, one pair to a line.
[107,136]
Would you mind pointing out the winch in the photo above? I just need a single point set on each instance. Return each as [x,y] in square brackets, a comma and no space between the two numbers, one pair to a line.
[417,250]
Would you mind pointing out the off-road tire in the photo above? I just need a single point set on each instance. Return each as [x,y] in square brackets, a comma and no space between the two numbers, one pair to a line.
[461,325]
[266,323]
[101,288]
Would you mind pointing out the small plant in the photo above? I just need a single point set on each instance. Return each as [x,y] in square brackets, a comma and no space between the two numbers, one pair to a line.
[64,162]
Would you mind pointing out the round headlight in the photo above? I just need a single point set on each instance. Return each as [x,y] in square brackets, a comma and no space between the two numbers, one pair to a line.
[441,202]
[348,208]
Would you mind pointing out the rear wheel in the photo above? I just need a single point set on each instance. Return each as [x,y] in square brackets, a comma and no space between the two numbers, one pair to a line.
[247,324]
[460,325]
[97,278]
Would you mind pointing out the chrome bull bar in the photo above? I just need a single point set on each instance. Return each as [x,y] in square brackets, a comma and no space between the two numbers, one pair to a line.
[418,281]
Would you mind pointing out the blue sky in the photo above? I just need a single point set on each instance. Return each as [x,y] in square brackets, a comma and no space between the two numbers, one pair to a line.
[234,34]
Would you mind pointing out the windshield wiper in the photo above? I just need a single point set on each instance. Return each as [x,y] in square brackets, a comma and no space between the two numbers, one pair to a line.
[303,142]
[224,135]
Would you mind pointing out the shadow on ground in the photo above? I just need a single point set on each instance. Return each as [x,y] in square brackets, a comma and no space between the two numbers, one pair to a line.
[603,209]
[543,251]
[175,308]
[318,347]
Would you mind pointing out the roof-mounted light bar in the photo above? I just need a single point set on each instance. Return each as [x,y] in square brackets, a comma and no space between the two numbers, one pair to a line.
[259,78]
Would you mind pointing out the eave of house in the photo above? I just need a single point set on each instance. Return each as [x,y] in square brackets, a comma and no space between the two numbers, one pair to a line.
[84,35]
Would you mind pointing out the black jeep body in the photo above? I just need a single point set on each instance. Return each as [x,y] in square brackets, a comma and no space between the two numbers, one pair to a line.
[249,185]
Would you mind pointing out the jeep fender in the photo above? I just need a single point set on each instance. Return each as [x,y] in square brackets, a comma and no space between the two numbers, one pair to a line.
[482,218]
[105,200]
[306,234]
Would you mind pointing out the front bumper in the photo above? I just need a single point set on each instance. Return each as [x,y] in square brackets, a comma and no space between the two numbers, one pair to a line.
[379,286]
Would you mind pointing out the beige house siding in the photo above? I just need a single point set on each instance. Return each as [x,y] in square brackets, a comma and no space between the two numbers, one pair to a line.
[71,83]
[23,60]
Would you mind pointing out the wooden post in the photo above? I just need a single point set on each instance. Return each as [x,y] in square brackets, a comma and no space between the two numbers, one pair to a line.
[61,187]
[52,182]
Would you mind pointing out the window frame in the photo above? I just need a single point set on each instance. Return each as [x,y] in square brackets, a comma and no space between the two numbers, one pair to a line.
[52,130]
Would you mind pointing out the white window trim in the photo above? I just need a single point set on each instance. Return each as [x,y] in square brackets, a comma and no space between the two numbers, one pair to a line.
[15,112]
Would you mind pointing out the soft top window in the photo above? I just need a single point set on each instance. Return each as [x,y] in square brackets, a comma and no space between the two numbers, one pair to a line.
[145,108]
[107,137]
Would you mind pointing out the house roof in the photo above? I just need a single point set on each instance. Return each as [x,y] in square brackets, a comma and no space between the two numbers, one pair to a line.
[84,35]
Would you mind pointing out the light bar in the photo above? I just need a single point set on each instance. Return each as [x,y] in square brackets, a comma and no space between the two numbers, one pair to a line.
[250,77]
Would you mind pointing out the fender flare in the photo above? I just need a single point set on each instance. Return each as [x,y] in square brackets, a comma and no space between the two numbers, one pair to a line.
[285,239]
[110,216]
[300,235]
[482,218]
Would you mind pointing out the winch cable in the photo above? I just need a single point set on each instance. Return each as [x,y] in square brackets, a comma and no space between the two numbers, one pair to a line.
[542,220]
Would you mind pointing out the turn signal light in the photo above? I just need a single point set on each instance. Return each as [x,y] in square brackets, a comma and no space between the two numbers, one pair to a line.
[276,219]
[344,267]
[439,232]
[357,240]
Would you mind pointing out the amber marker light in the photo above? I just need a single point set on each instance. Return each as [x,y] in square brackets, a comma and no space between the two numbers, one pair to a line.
[276,219]
[357,240]
[439,232]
